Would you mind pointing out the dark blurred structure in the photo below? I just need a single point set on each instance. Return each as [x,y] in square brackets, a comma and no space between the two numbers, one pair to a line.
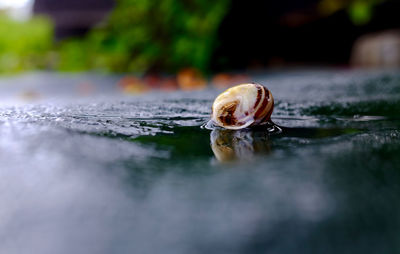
[273,33]
[377,50]
[73,17]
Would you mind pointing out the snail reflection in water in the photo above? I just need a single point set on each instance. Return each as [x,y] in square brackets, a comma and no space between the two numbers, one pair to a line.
[236,110]
[230,145]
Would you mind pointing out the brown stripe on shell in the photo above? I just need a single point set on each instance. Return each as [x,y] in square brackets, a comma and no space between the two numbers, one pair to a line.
[259,95]
[260,99]
[268,109]
[267,117]
[227,114]
[261,110]
[247,115]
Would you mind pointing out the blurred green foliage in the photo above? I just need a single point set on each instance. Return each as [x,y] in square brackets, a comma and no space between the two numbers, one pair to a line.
[360,11]
[24,45]
[143,35]
[137,36]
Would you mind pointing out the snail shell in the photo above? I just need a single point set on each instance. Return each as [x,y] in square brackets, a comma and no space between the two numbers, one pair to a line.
[242,106]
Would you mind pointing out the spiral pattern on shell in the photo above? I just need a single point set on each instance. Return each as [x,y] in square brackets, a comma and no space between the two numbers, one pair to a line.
[243,106]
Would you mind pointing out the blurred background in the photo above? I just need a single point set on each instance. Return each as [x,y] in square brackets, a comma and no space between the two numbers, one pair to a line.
[88,164]
[194,38]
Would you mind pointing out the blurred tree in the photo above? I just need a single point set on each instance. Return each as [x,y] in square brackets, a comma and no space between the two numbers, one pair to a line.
[25,45]
[168,35]
[141,35]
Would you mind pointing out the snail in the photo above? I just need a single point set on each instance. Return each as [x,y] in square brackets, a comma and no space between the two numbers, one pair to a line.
[243,106]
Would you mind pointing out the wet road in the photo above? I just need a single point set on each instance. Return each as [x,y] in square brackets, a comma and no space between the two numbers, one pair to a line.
[113,173]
